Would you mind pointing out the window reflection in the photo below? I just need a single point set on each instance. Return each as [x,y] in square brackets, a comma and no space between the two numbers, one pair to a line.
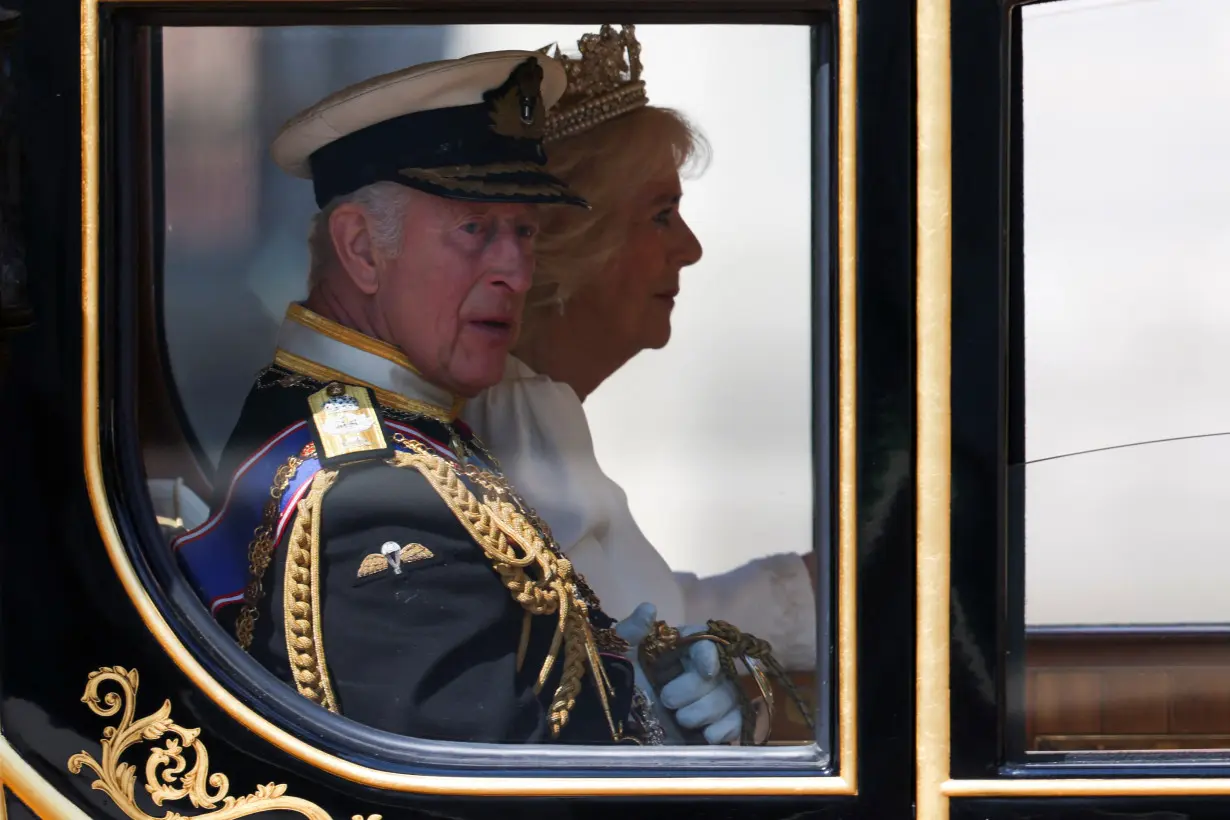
[712,537]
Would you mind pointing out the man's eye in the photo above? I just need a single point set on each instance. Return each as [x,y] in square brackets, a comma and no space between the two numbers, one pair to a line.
[664,217]
[471,227]
[527,231]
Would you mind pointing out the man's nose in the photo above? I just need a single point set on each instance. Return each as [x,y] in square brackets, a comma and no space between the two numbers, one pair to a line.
[512,263]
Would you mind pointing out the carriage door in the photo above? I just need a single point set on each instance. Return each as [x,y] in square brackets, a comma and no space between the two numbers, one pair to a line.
[1073,320]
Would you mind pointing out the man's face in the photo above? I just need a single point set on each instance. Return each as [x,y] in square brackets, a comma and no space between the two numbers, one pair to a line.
[452,299]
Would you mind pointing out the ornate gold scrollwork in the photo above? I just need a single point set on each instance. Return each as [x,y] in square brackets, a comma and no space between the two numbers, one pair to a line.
[165,778]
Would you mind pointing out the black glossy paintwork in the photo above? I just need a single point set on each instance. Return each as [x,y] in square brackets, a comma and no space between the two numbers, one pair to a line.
[63,613]
[886,407]
[978,353]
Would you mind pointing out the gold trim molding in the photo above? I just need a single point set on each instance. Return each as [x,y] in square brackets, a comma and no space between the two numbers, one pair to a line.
[1111,787]
[846,747]
[934,401]
[847,391]
[28,786]
[165,778]
[4,808]
[4,811]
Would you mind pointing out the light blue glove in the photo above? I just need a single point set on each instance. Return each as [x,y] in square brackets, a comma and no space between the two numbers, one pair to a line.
[637,626]
[634,629]
[702,697]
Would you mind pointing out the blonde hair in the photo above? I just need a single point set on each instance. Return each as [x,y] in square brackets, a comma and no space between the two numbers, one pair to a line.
[606,165]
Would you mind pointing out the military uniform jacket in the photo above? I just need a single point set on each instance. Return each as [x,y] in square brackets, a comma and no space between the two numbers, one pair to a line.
[378,599]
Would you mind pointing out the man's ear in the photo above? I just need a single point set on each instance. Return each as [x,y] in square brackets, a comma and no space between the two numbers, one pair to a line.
[352,242]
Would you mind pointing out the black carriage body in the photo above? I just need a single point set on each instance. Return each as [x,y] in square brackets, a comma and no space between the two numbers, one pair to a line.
[75,636]
[918,373]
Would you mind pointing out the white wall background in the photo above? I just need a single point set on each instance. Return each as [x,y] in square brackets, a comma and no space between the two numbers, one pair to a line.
[1127,270]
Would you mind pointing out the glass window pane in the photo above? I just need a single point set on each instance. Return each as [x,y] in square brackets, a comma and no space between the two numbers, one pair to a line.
[1127,319]
[649,486]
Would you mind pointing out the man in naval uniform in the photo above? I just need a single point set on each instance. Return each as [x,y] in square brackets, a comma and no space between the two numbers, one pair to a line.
[368,550]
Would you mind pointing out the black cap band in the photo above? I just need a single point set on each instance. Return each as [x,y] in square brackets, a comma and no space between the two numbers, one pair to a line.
[429,139]
[489,151]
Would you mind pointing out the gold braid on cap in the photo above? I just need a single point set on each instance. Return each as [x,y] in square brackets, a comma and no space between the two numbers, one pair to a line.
[602,82]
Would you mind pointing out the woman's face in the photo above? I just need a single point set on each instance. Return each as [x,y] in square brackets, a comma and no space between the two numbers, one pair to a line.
[632,299]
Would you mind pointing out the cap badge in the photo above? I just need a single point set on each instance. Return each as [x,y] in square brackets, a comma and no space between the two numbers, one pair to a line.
[516,107]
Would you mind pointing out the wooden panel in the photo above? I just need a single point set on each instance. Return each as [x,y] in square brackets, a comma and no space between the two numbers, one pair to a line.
[1119,648]
[788,725]
[1201,702]
[1068,703]
[1031,708]
[1130,743]
[1136,702]
[1117,690]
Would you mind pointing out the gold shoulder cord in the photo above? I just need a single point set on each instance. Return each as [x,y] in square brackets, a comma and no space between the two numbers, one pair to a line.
[301,598]
[260,550]
[499,529]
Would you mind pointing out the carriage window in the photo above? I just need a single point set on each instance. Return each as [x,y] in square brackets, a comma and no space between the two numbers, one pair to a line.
[340,392]
[1126,397]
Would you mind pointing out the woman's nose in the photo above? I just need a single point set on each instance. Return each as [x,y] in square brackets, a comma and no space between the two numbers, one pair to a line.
[690,250]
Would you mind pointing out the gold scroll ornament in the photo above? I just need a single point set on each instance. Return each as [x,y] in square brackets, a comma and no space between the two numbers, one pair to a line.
[165,775]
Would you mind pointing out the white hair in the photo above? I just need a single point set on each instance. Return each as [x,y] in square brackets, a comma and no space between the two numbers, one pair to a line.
[385,204]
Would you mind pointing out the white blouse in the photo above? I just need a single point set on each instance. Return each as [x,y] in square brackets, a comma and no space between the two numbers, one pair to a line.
[538,431]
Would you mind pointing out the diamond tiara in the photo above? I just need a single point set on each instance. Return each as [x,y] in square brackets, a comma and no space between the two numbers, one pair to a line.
[603,83]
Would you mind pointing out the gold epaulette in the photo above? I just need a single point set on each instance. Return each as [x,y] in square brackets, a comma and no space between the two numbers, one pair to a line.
[347,425]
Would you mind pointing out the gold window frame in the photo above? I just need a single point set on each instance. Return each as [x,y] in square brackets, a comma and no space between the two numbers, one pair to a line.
[844,782]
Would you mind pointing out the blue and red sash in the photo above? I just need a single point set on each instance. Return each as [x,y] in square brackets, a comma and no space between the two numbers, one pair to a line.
[215,556]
